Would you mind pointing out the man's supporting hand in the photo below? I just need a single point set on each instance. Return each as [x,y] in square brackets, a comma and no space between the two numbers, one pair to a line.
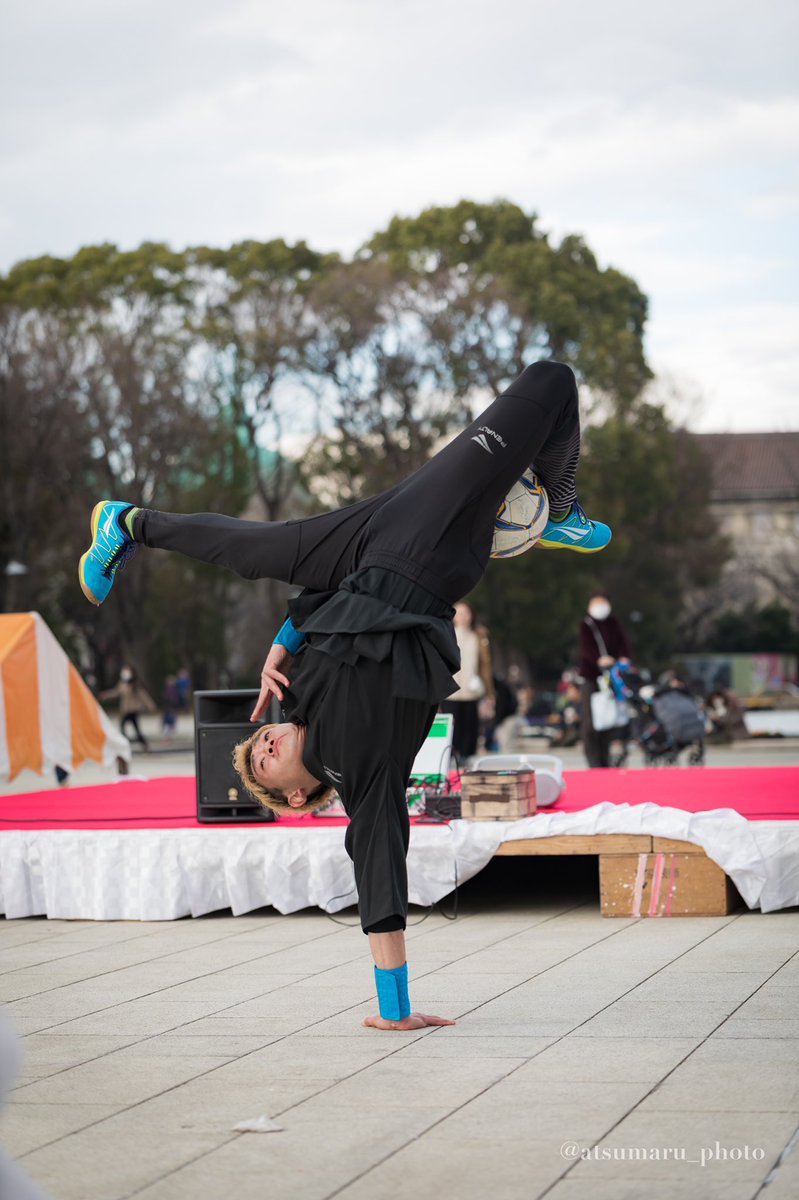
[272,679]
[414,1021]
[388,951]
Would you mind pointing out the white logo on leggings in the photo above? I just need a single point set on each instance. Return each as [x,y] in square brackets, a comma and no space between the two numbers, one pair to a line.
[482,440]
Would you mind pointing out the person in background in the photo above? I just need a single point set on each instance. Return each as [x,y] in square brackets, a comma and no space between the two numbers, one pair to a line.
[183,682]
[134,700]
[537,707]
[603,642]
[726,715]
[171,704]
[570,708]
[673,679]
[500,726]
[567,677]
[475,682]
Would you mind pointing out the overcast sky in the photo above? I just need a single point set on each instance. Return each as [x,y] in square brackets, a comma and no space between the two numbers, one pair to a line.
[664,131]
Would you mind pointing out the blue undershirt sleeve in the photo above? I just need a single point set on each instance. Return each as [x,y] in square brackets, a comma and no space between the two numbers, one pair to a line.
[289,637]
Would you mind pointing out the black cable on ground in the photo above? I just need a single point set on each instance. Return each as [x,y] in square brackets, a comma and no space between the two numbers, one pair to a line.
[411,924]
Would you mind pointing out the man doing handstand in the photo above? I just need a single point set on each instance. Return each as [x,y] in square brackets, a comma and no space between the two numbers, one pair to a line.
[372,629]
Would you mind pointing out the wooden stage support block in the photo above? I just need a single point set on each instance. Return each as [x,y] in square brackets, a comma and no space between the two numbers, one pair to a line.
[578,843]
[643,876]
[664,884]
[675,846]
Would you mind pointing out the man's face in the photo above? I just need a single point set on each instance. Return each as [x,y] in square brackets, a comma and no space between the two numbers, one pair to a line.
[276,760]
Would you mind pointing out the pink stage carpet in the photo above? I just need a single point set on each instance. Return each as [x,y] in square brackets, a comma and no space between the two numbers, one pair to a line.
[757,793]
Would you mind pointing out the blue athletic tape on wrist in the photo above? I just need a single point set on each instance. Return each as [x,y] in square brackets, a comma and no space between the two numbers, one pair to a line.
[290,637]
[392,992]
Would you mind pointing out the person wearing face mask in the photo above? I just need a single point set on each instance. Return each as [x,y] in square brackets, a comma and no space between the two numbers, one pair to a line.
[603,642]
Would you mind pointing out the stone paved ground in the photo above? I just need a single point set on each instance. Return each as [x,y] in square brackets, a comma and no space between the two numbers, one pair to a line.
[146,1044]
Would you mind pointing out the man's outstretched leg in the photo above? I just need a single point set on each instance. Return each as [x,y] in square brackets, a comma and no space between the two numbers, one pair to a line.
[535,420]
[568,528]
[552,387]
[313,552]
[438,526]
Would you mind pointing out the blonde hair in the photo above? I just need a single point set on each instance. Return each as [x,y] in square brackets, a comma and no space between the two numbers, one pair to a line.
[273,797]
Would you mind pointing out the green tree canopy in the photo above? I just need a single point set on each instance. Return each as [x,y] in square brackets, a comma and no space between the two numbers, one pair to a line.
[97,399]
[564,306]
[210,378]
[768,628]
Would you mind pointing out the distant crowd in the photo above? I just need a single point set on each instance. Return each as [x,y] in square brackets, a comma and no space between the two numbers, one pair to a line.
[604,702]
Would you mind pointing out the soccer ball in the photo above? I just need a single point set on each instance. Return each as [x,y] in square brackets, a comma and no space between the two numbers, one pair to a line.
[521,519]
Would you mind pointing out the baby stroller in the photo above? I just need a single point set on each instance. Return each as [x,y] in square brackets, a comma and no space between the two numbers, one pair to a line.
[665,721]
[673,723]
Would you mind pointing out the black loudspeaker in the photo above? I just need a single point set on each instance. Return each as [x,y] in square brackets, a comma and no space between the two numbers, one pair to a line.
[221,719]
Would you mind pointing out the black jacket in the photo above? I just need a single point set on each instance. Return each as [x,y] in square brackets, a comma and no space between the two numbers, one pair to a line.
[379,656]
[612,633]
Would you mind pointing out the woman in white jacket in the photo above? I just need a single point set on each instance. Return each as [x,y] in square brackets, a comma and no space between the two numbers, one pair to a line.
[475,681]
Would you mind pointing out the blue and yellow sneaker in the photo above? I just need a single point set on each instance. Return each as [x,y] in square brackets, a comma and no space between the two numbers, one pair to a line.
[112,546]
[575,532]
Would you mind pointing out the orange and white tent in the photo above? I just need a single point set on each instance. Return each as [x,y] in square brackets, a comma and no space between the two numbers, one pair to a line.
[48,716]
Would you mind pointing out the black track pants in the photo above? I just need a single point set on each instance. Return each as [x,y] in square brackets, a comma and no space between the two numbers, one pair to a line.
[435,527]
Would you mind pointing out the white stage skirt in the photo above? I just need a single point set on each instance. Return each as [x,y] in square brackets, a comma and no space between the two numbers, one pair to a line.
[163,874]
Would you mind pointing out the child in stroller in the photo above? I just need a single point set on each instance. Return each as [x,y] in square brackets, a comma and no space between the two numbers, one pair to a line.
[665,719]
